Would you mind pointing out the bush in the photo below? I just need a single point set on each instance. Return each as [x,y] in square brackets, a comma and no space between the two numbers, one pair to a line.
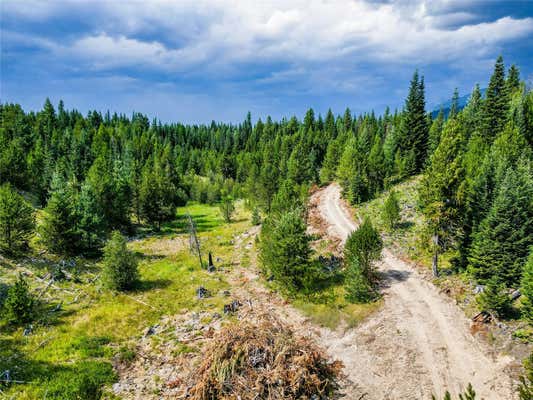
[391,210]
[17,220]
[120,266]
[494,298]
[285,250]
[19,303]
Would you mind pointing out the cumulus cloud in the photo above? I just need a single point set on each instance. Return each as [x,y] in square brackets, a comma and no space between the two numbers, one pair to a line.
[187,33]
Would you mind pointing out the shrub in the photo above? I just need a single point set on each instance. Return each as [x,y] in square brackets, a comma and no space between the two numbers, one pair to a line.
[17,220]
[494,298]
[19,303]
[120,266]
[391,210]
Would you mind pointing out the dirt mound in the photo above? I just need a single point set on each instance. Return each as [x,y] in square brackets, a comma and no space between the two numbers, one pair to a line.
[263,360]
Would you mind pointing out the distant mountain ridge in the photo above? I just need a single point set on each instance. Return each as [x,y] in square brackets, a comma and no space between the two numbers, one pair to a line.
[447,105]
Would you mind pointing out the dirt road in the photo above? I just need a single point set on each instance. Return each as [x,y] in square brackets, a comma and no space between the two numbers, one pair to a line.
[419,343]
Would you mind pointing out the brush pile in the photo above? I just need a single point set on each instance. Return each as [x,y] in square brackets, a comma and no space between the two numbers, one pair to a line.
[263,360]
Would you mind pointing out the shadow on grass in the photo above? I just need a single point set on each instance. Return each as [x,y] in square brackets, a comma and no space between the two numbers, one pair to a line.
[405,225]
[151,284]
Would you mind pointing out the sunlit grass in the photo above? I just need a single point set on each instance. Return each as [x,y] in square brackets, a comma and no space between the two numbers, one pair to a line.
[85,334]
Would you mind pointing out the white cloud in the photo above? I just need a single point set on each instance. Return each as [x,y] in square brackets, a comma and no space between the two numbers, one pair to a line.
[220,35]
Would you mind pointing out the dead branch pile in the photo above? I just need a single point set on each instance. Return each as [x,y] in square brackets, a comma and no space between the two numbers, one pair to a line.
[263,361]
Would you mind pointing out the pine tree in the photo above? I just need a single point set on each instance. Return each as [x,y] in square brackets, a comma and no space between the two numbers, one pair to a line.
[19,304]
[119,264]
[59,229]
[17,220]
[500,246]
[496,103]
[527,289]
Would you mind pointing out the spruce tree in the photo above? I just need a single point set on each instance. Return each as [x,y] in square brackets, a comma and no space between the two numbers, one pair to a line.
[91,225]
[513,79]
[17,220]
[439,186]
[413,137]
[59,228]
[500,246]
[496,102]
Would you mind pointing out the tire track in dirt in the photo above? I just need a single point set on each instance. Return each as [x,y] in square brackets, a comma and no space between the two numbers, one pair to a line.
[419,343]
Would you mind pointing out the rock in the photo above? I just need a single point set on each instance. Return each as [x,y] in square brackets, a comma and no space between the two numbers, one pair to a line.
[479,289]
[232,307]
[202,293]
[28,330]
[226,293]
[152,330]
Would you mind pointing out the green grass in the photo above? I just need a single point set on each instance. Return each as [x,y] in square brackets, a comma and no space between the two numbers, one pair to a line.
[336,311]
[69,353]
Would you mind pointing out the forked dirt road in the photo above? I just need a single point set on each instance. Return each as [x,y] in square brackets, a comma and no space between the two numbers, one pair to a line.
[419,343]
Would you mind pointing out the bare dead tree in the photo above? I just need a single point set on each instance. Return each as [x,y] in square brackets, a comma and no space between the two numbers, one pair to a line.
[194,243]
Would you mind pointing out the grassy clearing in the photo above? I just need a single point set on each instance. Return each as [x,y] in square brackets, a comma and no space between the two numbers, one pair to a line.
[69,352]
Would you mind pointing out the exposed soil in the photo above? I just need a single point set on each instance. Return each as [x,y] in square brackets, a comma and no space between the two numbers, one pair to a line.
[420,342]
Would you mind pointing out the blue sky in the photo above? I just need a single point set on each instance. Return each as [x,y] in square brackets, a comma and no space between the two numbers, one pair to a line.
[199,60]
